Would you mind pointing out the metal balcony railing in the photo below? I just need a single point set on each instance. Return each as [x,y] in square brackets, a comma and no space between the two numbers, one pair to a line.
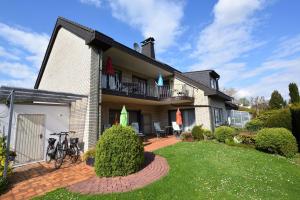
[140,89]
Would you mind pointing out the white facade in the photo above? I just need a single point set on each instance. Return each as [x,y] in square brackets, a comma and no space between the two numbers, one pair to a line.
[56,119]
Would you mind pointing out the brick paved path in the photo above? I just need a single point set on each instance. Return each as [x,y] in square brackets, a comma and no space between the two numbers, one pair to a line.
[156,168]
[39,178]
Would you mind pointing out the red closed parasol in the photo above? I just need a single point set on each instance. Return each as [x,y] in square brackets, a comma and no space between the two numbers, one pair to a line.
[109,68]
[178,117]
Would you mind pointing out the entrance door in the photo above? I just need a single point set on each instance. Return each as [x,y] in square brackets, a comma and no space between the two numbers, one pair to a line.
[147,124]
[30,137]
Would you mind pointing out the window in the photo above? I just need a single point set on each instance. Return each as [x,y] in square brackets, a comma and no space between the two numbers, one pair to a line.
[213,83]
[218,116]
[112,82]
[141,85]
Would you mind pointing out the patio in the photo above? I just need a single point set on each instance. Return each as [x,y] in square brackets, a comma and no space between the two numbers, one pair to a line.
[38,178]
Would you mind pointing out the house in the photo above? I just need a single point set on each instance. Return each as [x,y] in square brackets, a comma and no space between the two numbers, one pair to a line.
[84,61]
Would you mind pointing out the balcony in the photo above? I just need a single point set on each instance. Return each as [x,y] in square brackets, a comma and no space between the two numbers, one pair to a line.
[145,91]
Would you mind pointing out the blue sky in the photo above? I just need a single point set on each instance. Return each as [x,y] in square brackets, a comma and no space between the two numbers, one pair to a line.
[253,44]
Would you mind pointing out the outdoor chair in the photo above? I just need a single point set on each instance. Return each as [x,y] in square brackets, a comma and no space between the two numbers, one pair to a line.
[176,129]
[135,126]
[158,130]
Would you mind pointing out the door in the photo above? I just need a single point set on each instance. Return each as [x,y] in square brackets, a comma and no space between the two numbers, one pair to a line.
[30,138]
[147,124]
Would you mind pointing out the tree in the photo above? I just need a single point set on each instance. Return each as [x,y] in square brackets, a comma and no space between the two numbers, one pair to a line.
[258,104]
[276,101]
[294,93]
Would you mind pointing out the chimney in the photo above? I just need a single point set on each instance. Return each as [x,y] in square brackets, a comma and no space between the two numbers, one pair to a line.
[148,47]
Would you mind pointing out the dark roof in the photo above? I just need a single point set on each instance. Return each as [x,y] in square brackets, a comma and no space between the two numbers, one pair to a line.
[93,37]
[211,71]
[35,95]
[231,105]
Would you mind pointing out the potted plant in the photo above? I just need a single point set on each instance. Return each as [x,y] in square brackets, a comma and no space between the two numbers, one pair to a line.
[89,156]
[12,156]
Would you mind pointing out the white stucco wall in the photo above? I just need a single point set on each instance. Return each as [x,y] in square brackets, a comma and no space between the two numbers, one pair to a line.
[56,119]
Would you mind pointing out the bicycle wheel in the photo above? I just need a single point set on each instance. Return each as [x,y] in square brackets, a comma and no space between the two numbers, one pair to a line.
[48,157]
[64,149]
[59,158]
[75,154]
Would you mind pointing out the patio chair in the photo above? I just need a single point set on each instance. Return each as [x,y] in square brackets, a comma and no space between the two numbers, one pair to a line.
[176,129]
[158,130]
[135,126]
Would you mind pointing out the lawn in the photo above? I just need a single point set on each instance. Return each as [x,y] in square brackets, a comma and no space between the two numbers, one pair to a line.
[209,170]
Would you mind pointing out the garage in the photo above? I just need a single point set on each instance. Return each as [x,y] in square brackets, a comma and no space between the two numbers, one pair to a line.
[34,115]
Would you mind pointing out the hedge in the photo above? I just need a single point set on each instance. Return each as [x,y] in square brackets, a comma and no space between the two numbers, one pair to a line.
[119,152]
[198,132]
[276,140]
[295,113]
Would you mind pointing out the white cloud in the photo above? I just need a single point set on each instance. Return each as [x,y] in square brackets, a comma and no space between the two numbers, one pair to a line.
[96,3]
[229,36]
[288,47]
[34,43]
[21,56]
[4,53]
[160,19]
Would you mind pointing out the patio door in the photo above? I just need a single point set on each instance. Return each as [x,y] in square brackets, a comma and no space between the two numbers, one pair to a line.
[30,138]
[188,118]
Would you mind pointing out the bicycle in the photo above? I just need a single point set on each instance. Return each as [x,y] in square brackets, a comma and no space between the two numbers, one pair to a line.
[55,152]
[72,149]
[62,148]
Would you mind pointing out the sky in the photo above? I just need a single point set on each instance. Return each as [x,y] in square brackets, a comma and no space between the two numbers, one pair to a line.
[253,44]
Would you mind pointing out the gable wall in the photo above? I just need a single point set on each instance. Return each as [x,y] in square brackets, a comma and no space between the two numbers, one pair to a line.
[68,67]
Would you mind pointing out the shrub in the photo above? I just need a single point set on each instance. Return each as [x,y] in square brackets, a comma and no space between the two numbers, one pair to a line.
[295,114]
[209,135]
[279,119]
[229,141]
[246,138]
[276,140]
[197,133]
[2,157]
[254,125]
[224,132]
[119,152]
[89,154]
[3,184]
[186,136]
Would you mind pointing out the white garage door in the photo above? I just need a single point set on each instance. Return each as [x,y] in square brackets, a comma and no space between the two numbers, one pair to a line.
[30,138]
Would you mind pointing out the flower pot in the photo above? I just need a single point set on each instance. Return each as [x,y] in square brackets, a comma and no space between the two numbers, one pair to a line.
[90,161]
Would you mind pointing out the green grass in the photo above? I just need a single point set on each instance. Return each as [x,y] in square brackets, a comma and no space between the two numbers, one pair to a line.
[209,170]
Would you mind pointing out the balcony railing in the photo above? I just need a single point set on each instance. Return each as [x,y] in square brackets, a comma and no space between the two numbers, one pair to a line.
[143,90]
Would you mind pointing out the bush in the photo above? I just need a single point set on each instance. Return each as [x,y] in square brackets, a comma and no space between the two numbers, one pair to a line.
[224,132]
[186,136]
[197,133]
[295,114]
[276,140]
[246,138]
[2,157]
[119,152]
[208,134]
[3,184]
[279,119]
[254,125]
[89,154]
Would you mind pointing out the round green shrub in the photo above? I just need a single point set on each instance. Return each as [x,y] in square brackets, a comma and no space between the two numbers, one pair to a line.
[186,136]
[119,152]
[254,125]
[224,132]
[209,135]
[276,140]
[197,133]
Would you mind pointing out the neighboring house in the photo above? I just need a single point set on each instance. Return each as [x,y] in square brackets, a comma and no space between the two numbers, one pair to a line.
[76,60]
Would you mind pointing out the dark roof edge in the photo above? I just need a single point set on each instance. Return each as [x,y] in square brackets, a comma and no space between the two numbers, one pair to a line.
[93,37]
[212,72]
